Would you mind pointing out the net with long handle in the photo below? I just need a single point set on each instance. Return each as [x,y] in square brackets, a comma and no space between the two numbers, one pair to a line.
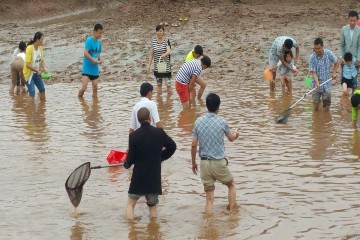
[75,182]
[283,117]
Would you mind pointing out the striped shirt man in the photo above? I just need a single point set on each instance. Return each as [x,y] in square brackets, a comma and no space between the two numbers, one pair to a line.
[187,70]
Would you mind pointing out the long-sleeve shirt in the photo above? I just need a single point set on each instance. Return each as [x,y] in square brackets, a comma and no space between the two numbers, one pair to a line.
[148,147]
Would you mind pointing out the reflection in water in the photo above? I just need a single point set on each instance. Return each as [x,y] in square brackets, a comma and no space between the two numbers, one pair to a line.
[92,118]
[186,121]
[321,130]
[34,122]
[165,109]
[151,231]
[77,231]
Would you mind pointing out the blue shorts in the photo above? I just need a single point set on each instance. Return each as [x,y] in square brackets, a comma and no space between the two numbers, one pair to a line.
[37,81]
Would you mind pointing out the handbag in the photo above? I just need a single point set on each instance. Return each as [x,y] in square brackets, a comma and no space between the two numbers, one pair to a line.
[161,65]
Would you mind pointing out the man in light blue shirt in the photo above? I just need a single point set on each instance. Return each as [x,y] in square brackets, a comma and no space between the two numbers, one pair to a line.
[90,68]
[209,131]
[320,68]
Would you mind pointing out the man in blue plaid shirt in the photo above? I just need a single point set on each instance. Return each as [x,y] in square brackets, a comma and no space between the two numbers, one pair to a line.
[320,68]
[210,130]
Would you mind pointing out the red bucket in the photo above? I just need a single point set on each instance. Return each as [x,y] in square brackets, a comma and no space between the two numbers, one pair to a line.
[115,157]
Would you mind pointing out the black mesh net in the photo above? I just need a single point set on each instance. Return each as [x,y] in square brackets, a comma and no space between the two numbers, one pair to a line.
[282,118]
[75,182]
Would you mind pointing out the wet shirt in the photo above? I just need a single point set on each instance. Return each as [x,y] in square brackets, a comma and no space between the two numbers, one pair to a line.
[151,106]
[322,67]
[94,48]
[159,49]
[210,130]
[192,67]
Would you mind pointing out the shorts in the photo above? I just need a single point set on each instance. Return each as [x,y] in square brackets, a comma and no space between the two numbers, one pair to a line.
[326,98]
[16,66]
[214,170]
[151,199]
[183,91]
[351,83]
[35,81]
[160,81]
[91,77]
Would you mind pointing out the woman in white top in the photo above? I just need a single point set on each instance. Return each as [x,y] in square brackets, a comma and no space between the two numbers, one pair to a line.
[160,47]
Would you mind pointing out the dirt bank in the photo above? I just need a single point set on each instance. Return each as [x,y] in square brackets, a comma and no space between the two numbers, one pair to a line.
[236,36]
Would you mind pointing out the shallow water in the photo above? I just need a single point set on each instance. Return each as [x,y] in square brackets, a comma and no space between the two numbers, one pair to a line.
[298,180]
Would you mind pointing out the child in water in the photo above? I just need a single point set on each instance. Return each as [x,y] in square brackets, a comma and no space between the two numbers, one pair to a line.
[349,75]
[284,72]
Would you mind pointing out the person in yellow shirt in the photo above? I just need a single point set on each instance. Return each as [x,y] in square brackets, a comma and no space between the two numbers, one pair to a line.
[196,53]
[355,102]
[33,65]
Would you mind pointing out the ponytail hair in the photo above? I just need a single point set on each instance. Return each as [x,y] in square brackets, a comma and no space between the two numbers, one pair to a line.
[37,36]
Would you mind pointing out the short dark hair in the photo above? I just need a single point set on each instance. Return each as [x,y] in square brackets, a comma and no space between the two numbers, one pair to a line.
[206,61]
[143,114]
[212,102]
[198,50]
[353,14]
[97,27]
[348,57]
[145,88]
[318,41]
[355,100]
[22,46]
[288,43]
[158,27]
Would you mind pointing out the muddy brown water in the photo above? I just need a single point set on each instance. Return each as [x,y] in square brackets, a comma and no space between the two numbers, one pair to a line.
[298,180]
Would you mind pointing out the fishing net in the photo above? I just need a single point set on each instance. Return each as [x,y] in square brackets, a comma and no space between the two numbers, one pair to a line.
[283,117]
[75,182]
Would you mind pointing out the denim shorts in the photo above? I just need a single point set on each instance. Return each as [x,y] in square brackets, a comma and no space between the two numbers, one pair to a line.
[151,199]
[37,81]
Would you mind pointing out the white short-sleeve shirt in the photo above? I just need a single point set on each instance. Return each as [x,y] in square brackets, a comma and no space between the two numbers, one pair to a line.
[151,105]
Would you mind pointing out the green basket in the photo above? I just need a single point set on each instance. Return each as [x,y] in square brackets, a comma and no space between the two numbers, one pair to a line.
[308,81]
[45,75]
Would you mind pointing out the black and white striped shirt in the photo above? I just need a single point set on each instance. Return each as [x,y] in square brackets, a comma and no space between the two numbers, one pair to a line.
[192,67]
[160,49]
